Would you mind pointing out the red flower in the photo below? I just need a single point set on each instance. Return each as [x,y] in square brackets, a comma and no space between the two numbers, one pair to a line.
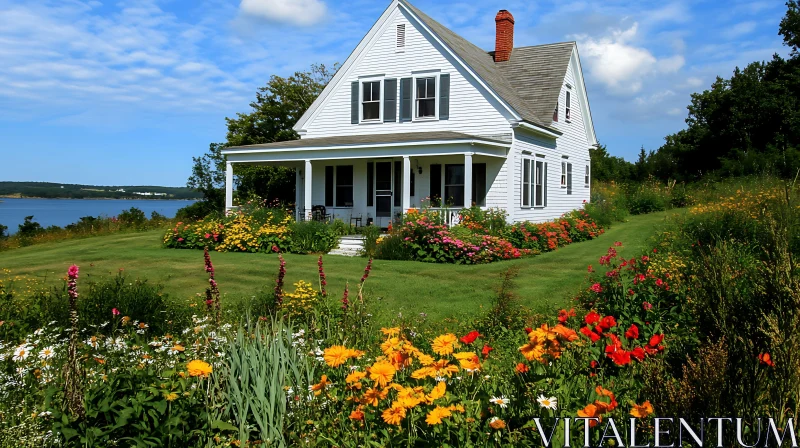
[590,268]
[621,357]
[766,358]
[656,339]
[633,332]
[631,292]
[659,282]
[607,322]
[564,315]
[597,288]
[486,350]
[591,318]
[528,329]
[470,337]
[618,243]
[655,251]
[638,353]
[590,334]
[647,306]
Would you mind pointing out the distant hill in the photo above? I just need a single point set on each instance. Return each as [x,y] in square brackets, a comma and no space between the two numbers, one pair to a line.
[73,191]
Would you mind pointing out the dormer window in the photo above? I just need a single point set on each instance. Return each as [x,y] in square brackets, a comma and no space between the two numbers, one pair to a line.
[370,100]
[426,97]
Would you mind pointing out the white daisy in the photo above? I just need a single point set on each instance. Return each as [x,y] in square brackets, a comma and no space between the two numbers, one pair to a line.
[21,353]
[47,353]
[547,403]
[501,401]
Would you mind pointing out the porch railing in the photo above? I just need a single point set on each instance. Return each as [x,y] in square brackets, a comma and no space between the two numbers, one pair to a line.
[451,216]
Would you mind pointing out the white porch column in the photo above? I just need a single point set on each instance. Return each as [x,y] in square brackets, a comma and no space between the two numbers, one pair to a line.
[298,192]
[307,190]
[406,183]
[468,180]
[228,186]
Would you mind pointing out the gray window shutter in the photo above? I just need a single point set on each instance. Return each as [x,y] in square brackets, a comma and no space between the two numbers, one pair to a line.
[390,100]
[444,96]
[405,99]
[569,178]
[354,102]
[544,182]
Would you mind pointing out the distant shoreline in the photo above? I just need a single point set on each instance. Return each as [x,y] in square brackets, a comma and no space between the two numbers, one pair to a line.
[12,196]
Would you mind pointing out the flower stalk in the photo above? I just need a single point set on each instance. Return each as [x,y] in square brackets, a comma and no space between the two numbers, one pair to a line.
[213,301]
[73,388]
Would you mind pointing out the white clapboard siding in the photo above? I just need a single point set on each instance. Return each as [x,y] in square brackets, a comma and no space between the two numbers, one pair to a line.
[472,110]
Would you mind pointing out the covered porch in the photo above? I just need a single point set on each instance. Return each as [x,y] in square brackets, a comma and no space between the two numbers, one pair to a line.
[376,178]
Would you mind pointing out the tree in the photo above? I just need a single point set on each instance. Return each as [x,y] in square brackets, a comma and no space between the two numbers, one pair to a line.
[606,167]
[277,107]
[3,234]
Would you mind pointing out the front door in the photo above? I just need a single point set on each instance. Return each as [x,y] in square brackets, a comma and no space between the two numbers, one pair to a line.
[383,189]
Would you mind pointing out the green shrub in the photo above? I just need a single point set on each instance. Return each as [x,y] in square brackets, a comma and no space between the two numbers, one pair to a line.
[133,217]
[3,231]
[197,211]
[371,234]
[309,237]
[392,247]
[492,221]
[30,228]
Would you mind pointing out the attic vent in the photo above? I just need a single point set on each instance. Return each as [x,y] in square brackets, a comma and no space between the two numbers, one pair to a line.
[401,36]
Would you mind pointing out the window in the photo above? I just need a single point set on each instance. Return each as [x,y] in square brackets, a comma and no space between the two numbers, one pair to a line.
[569,105]
[586,177]
[569,178]
[401,36]
[526,182]
[454,185]
[344,186]
[538,186]
[533,182]
[436,185]
[398,183]
[426,97]
[479,184]
[563,174]
[371,100]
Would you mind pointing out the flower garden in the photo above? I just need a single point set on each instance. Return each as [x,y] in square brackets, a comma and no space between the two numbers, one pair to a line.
[702,324]
[483,236]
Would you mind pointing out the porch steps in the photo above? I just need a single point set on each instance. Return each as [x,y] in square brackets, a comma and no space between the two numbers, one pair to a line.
[349,246]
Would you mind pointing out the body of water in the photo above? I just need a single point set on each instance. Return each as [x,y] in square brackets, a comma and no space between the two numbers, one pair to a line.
[60,212]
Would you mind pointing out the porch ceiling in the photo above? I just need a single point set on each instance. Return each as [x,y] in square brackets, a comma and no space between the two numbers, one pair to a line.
[418,144]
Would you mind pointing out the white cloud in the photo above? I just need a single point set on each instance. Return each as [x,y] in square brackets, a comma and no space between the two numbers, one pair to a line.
[616,61]
[694,82]
[739,29]
[295,12]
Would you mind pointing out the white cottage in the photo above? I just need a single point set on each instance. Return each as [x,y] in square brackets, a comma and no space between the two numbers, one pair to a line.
[417,114]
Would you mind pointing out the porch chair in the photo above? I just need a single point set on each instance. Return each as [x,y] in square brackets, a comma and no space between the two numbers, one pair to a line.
[320,213]
[356,220]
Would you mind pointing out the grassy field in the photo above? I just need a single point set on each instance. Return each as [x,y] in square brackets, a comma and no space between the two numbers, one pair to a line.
[545,282]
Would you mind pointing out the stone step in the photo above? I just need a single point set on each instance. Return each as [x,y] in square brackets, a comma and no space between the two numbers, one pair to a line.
[349,246]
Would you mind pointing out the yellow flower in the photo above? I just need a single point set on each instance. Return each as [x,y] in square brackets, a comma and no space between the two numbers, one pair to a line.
[336,355]
[497,423]
[445,344]
[319,387]
[355,377]
[394,331]
[641,411]
[436,415]
[172,396]
[382,373]
[199,368]
[437,392]
[394,415]
[373,396]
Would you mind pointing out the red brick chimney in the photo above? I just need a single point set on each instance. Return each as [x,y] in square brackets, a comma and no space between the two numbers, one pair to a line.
[504,40]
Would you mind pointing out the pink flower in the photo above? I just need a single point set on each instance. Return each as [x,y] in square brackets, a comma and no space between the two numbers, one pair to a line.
[208,235]
[647,306]
[115,312]
[597,288]
[73,271]
[180,240]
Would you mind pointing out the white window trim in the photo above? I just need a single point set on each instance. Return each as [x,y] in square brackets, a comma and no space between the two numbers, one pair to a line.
[564,173]
[533,185]
[568,106]
[525,159]
[361,119]
[419,75]
[587,177]
[532,161]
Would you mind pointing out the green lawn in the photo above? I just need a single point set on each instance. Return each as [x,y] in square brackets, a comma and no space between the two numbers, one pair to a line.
[545,282]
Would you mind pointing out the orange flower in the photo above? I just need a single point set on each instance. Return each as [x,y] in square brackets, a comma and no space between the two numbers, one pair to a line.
[437,392]
[641,411]
[382,373]
[199,368]
[436,415]
[373,396]
[590,411]
[766,358]
[496,423]
[319,387]
[394,415]
[521,368]
[444,344]
[358,414]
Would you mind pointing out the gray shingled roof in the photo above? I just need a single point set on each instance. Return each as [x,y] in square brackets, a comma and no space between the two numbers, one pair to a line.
[529,82]
[347,140]
[537,74]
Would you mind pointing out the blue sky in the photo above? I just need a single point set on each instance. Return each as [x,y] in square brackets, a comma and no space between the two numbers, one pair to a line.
[126,92]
